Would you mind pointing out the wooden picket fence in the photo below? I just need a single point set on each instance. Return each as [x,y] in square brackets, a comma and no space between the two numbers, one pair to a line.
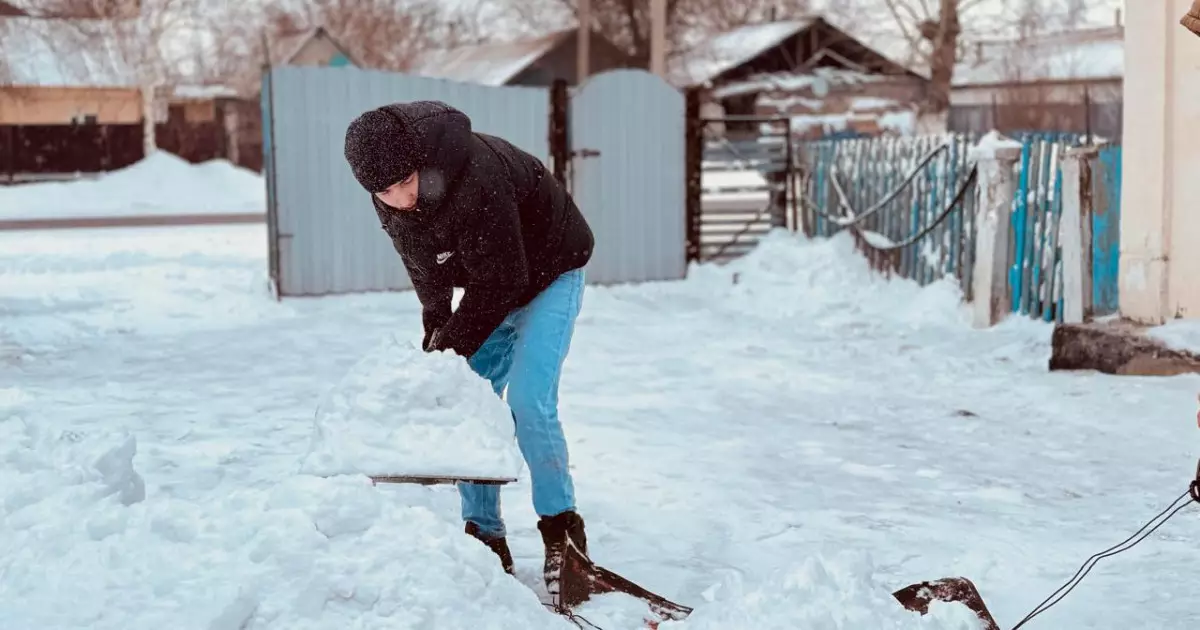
[920,195]
[870,171]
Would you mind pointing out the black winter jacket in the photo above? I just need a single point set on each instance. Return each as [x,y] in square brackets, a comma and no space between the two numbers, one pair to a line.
[489,218]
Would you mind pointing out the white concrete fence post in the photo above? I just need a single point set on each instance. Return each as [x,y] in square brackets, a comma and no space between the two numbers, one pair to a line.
[1075,235]
[996,159]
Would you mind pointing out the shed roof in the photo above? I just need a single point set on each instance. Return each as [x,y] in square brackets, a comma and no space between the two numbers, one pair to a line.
[726,51]
[489,64]
[724,56]
[285,48]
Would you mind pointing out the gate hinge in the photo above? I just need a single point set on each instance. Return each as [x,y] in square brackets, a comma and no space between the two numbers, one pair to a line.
[585,153]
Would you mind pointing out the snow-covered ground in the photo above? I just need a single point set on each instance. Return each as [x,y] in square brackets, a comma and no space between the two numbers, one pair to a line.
[779,443]
[162,184]
[1181,334]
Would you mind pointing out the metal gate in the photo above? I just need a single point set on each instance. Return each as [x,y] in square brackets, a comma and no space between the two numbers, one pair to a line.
[627,146]
[746,181]
[626,128]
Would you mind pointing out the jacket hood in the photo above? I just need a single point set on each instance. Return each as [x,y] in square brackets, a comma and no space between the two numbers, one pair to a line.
[386,144]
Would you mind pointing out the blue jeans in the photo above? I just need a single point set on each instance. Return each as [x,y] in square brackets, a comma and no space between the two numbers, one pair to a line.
[525,354]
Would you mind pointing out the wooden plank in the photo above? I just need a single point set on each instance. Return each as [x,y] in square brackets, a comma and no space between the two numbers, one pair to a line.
[1070,239]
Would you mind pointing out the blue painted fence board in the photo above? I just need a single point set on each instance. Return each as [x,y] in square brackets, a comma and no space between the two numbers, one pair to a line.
[1106,230]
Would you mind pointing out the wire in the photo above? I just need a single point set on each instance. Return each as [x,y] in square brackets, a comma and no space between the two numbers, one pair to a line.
[1193,490]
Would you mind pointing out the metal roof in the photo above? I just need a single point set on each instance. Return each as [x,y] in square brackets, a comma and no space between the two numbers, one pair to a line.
[728,50]
[488,64]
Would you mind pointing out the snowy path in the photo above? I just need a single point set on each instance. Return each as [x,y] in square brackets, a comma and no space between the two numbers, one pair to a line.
[722,433]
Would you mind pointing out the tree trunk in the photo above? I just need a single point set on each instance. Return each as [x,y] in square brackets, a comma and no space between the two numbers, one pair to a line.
[148,141]
[941,68]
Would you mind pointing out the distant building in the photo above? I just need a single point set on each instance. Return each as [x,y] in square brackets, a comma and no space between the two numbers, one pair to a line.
[533,62]
[807,70]
[1061,82]
[312,47]
[64,71]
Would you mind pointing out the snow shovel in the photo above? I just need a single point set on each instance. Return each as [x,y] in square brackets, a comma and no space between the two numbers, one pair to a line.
[581,578]
[434,480]
[917,597]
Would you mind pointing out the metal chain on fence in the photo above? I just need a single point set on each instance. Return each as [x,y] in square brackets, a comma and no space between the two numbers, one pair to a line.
[852,218]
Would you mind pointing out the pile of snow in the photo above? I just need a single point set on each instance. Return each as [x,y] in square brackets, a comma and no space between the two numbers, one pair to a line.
[402,411]
[788,276]
[899,121]
[989,146]
[840,593]
[161,184]
[305,553]
[310,552]
[1180,334]
[199,518]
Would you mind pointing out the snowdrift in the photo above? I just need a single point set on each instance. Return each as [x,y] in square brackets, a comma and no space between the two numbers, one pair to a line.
[83,511]
[315,553]
[308,552]
[161,184]
[1180,334]
[788,279]
[402,411]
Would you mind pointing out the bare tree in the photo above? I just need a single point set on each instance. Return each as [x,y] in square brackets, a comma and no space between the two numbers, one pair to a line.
[380,33]
[1075,13]
[932,29]
[136,39]
[626,23]
[383,34]
[707,17]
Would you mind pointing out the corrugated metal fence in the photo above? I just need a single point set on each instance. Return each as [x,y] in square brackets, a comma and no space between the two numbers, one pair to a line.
[628,178]
[328,237]
[917,234]
[627,175]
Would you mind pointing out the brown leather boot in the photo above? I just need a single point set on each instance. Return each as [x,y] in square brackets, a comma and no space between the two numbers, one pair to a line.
[498,545]
[555,531]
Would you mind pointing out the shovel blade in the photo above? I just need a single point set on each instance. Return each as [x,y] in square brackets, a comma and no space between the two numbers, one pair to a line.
[581,578]
[917,597]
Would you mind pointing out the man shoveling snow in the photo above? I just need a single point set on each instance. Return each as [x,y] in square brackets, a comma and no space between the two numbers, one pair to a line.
[470,210]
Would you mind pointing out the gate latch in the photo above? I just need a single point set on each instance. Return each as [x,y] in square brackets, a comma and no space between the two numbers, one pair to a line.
[585,153]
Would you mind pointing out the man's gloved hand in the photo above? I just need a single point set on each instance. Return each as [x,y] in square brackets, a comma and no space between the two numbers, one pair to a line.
[432,339]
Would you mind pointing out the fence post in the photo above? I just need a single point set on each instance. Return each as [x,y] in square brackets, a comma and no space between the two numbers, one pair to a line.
[694,129]
[560,149]
[995,158]
[1075,234]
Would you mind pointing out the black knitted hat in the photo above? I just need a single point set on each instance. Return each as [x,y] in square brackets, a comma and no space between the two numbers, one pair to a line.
[381,149]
